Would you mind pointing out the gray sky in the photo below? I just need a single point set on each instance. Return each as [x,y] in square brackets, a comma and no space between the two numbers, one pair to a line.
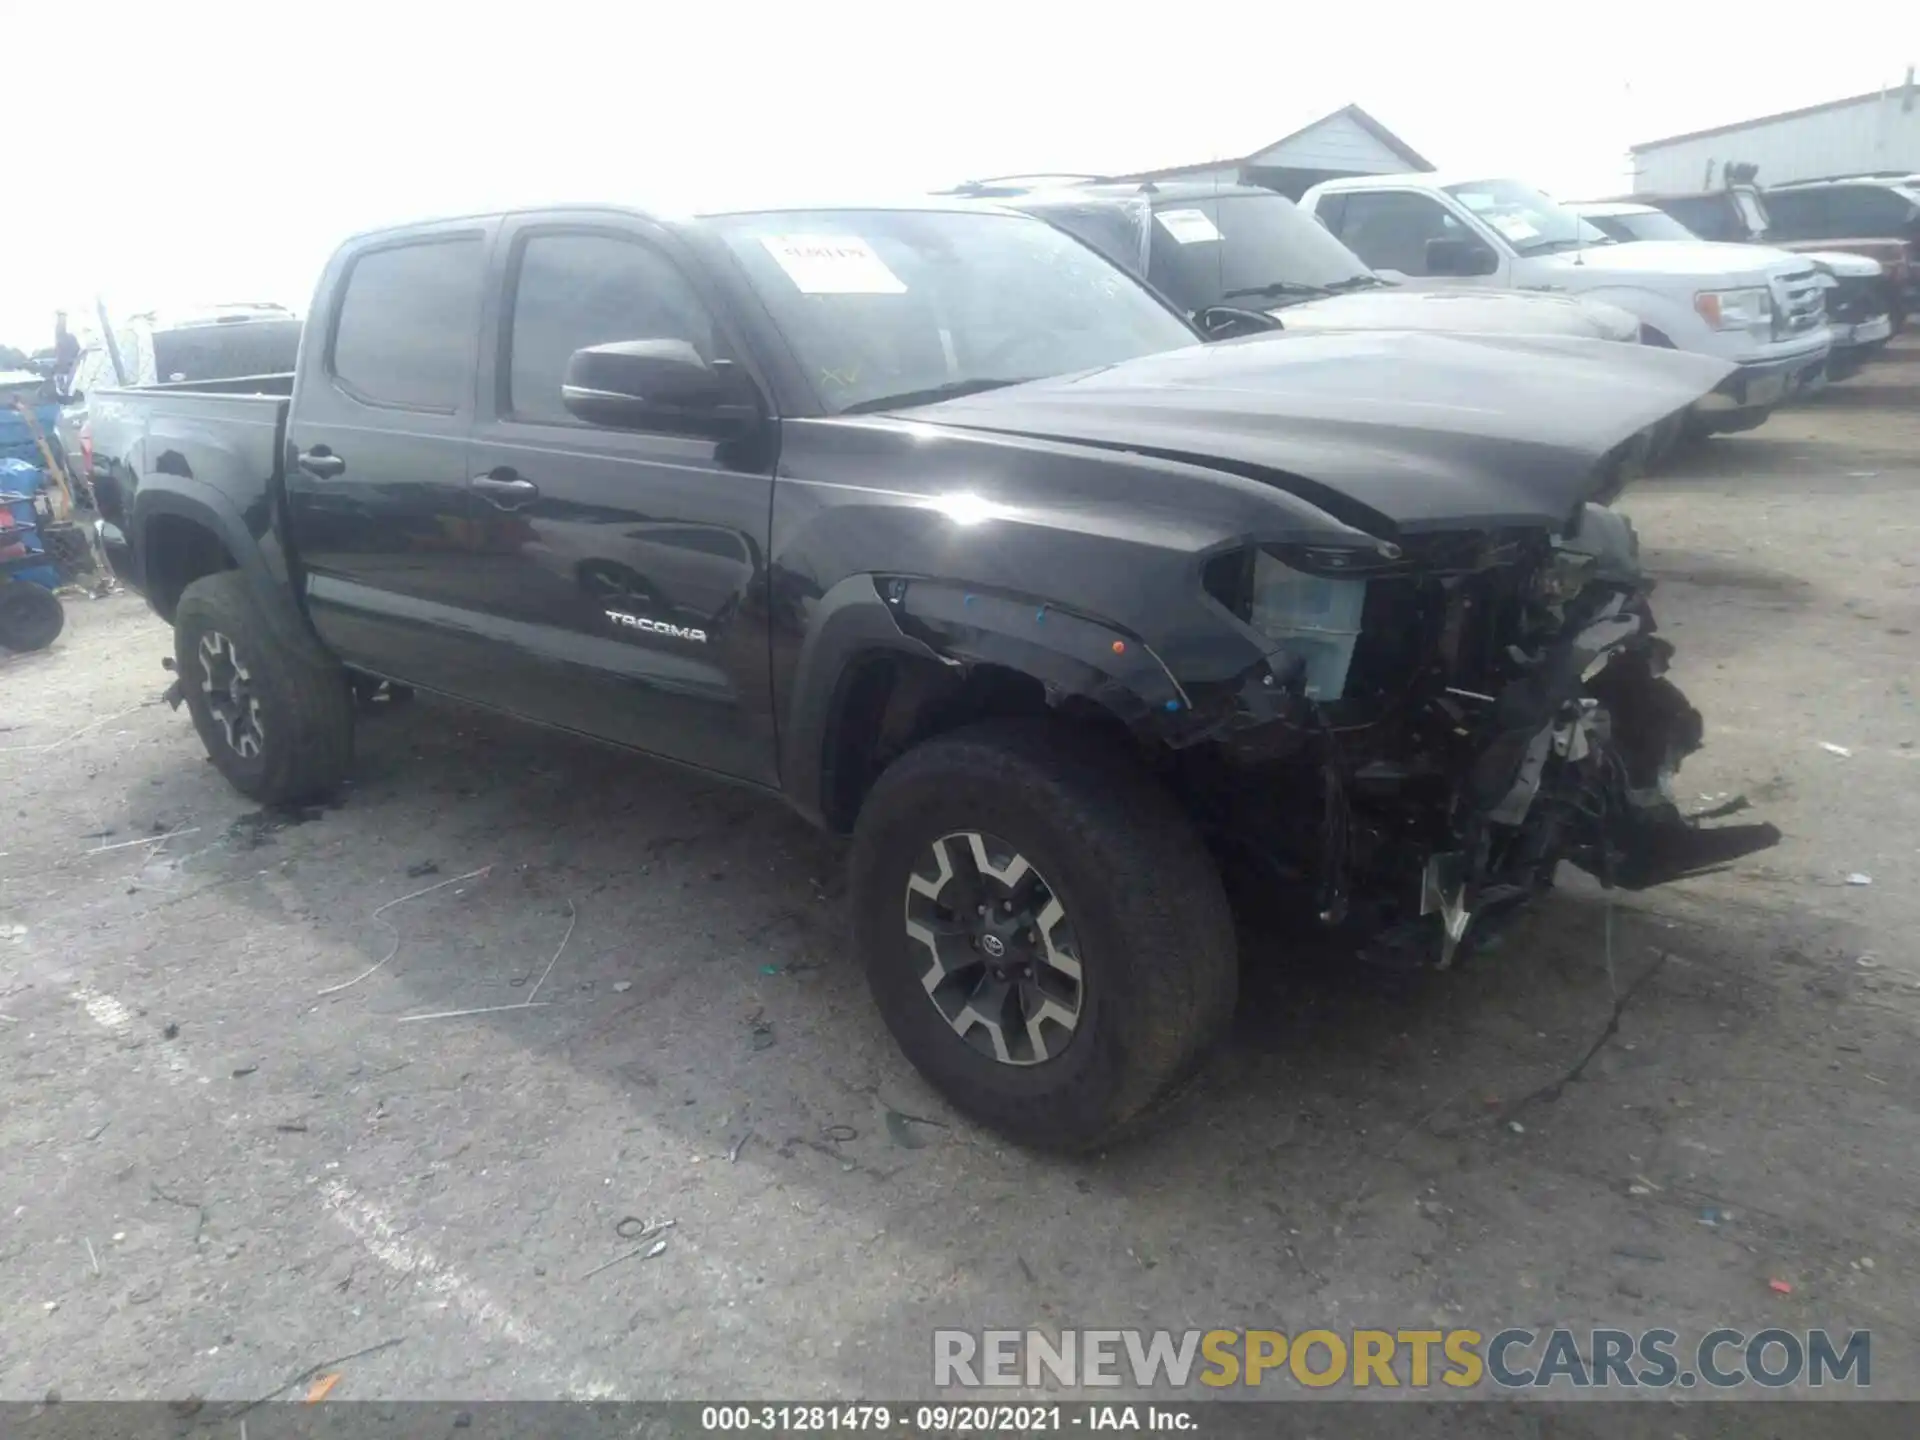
[198,152]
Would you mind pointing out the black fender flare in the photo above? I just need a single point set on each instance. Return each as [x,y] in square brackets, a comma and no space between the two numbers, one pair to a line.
[207,506]
[958,626]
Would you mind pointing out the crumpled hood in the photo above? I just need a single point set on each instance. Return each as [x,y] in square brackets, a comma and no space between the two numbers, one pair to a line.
[1388,430]
[1461,311]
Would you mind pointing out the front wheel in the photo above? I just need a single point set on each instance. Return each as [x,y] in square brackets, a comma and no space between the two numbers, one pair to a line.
[273,709]
[1043,931]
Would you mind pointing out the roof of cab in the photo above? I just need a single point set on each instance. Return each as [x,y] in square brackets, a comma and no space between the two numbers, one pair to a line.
[955,204]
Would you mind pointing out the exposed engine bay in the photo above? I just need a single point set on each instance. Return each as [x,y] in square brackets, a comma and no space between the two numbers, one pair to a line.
[1442,723]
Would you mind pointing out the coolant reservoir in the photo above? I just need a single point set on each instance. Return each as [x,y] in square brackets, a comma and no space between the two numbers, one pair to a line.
[1315,619]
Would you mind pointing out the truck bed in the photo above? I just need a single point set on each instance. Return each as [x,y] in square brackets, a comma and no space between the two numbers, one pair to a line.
[221,439]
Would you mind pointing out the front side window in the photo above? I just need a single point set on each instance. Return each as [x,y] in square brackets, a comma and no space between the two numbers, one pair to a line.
[1389,229]
[408,322]
[582,289]
[1526,218]
[885,307]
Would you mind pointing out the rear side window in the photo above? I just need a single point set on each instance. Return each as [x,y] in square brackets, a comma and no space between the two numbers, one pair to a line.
[405,335]
[226,350]
[576,290]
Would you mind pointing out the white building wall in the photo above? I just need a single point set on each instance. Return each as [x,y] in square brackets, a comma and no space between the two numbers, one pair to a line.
[1338,142]
[1874,134]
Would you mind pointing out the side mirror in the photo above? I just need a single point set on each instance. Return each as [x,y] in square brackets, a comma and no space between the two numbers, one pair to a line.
[1227,322]
[655,385]
[1460,257]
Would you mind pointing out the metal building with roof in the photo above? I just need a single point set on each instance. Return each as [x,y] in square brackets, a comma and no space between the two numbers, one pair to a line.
[1858,135]
[1347,142]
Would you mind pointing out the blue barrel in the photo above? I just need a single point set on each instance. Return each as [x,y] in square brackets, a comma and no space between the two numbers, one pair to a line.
[19,483]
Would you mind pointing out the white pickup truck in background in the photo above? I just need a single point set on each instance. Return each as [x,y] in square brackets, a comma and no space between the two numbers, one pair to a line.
[1765,313]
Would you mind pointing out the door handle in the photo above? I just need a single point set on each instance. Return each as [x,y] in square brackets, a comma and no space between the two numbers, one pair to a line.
[321,463]
[505,489]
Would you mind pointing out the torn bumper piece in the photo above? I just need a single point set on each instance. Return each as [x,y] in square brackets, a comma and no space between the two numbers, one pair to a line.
[1575,762]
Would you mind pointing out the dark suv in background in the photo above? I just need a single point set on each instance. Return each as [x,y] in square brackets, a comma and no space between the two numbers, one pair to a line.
[1863,208]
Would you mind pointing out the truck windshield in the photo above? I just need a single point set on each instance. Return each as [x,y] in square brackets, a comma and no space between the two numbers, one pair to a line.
[1531,222]
[225,350]
[894,306]
[1264,248]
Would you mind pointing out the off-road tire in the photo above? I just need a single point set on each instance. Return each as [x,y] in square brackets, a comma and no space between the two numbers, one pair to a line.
[1154,929]
[305,704]
[31,616]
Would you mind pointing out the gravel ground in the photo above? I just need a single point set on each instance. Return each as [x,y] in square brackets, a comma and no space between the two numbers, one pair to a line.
[216,1174]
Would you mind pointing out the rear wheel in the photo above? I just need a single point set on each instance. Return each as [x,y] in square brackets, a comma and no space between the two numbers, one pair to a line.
[273,709]
[1046,937]
[31,616]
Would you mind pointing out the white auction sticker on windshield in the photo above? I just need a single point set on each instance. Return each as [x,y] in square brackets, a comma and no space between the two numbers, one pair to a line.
[1513,227]
[1189,227]
[832,265]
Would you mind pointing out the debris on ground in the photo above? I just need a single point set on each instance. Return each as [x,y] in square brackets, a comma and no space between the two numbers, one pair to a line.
[620,987]
[379,915]
[245,1070]
[322,1387]
[1832,749]
[900,1129]
[733,1155]
[159,839]
[1780,1287]
[1714,1215]
[761,1031]
[1857,878]
[647,1231]
[1731,806]
[171,1032]
[424,868]
[304,1376]
[530,1003]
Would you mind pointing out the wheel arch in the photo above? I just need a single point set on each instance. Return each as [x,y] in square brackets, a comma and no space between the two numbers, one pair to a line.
[893,661]
[184,530]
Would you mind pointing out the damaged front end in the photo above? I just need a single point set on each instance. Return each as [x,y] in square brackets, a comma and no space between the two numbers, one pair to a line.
[1436,724]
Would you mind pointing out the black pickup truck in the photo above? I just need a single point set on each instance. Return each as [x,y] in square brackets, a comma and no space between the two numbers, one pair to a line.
[940,526]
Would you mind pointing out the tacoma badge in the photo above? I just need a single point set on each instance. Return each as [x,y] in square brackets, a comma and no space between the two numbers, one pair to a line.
[657,627]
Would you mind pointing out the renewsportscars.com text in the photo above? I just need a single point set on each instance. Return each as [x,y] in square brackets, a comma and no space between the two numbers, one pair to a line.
[1510,1359]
